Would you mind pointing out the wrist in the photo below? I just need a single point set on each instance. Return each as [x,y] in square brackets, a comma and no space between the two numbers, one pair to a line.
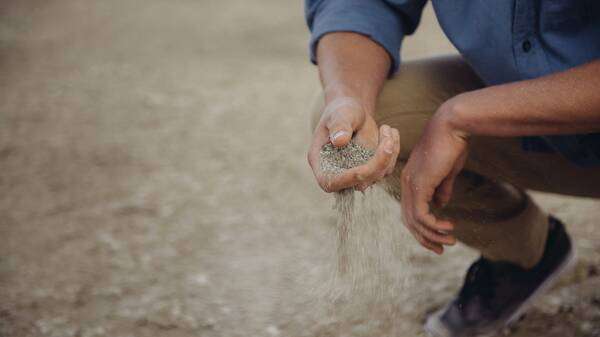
[450,117]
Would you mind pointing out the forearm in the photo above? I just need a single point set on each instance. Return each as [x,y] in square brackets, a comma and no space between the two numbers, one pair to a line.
[563,103]
[352,65]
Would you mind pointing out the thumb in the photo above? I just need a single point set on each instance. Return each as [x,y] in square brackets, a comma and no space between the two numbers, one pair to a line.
[444,191]
[344,118]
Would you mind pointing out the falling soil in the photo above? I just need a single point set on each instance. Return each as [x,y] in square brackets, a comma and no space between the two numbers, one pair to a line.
[334,161]
[370,262]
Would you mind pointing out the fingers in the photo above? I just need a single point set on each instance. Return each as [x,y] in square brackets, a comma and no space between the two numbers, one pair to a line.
[384,159]
[429,231]
[349,178]
[444,192]
[434,247]
[320,138]
[423,241]
[422,215]
[392,164]
[436,237]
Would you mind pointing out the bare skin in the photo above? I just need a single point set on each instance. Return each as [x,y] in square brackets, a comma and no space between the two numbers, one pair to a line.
[351,82]
[353,70]
[563,103]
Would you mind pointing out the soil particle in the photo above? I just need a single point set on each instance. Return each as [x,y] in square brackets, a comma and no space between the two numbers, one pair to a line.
[335,160]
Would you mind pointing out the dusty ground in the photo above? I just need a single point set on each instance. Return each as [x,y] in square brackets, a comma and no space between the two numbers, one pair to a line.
[153,180]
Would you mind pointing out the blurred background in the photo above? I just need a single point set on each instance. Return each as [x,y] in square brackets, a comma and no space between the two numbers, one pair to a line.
[153,179]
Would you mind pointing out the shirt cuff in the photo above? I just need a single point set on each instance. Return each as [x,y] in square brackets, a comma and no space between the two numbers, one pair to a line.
[374,19]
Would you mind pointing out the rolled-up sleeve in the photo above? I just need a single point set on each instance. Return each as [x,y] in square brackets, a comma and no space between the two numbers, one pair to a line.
[385,22]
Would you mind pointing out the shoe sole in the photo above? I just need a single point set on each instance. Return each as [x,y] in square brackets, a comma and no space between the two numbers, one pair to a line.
[435,328]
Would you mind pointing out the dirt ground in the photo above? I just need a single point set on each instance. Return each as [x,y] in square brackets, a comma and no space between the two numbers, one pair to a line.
[153,180]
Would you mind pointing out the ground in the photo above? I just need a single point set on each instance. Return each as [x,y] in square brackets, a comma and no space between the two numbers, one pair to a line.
[153,180]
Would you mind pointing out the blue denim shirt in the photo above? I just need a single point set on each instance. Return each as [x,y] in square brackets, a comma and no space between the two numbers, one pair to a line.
[502,40]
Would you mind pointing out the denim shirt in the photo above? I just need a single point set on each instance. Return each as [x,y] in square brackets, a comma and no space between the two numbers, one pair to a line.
[503,41]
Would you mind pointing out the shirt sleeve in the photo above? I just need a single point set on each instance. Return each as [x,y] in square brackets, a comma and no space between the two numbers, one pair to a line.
[384,21]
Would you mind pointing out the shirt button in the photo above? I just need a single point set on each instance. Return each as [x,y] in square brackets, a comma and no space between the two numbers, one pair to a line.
[526,46]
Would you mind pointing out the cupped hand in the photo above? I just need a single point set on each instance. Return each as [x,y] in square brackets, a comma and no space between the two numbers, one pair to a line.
[428,177]
[342,119]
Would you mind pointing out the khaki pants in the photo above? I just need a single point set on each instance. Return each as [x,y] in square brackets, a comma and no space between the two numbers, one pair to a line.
[489,207]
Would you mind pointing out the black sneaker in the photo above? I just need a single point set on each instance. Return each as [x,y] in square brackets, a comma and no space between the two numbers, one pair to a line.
[496,294]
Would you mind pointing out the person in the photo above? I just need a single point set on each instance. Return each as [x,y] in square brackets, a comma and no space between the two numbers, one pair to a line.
[460,139]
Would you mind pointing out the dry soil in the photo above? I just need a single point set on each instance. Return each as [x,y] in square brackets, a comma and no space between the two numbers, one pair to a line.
[153,180]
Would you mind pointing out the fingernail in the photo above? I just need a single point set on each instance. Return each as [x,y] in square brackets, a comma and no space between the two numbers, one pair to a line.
[389,147]
[337,135]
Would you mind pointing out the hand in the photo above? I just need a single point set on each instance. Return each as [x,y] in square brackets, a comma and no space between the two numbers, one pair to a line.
[429,177]
[342,118]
